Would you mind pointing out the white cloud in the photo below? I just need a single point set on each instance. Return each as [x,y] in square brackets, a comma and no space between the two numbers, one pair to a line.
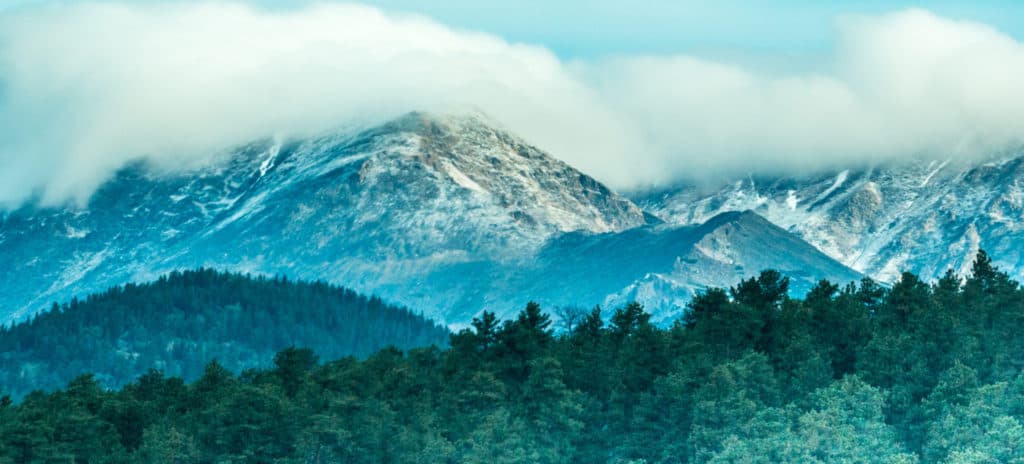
[899,85]
[87,88]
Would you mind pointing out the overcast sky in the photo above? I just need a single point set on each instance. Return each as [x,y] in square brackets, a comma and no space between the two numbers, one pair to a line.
[632,92]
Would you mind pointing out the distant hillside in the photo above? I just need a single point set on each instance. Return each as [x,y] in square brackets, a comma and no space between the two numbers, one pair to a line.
[185,319]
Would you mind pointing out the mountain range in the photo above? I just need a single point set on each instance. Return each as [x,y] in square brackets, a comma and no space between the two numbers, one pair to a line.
[452,215]
[921,216]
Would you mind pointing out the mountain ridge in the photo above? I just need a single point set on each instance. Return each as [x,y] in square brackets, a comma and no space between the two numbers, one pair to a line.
[436,212]
[923,217]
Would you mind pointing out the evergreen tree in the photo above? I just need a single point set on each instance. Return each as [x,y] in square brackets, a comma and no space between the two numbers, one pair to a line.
[859,373]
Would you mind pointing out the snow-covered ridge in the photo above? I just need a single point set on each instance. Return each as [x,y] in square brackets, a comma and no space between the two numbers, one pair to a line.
[925,216]
[451,214]
[375,209]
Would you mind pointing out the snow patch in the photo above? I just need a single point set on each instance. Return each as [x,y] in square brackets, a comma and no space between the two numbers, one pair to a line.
[252,206]
[928,178]
[791,200]
[462,179]
[840,180]
[71,232]
[893,268]
[74,270]
[272,153]
[967,247]
[1015,195]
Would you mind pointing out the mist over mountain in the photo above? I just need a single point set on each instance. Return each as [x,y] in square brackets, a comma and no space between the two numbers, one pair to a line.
[517,232]
[453,214]
[90,87]
[445,214]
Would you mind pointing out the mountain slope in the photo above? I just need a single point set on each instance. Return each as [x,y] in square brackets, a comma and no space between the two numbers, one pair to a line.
[374,209]
[923,217]
[445,214]
[663,266]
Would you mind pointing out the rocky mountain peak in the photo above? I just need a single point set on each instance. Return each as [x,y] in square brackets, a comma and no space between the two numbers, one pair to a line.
[922,216]
[379,210]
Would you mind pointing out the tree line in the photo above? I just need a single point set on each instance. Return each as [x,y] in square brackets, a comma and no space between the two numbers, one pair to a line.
[861,373]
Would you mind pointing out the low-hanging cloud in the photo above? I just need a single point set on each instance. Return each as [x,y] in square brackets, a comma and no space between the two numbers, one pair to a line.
[900,85]
[87,88]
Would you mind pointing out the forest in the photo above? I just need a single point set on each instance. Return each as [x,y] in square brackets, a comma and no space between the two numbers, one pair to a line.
[183,320]
[862,373]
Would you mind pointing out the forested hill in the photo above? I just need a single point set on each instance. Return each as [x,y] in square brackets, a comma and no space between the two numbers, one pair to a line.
[184,320]
[915,373]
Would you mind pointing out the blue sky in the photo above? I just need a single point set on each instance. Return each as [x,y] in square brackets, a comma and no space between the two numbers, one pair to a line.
[592,28]
[600,27]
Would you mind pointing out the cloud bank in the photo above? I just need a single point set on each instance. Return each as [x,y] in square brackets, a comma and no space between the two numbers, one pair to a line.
[87,88]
